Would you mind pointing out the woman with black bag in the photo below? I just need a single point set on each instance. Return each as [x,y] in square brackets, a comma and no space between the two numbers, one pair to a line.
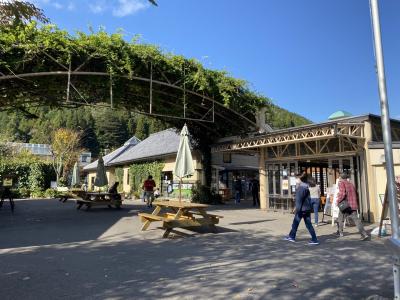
[348,206]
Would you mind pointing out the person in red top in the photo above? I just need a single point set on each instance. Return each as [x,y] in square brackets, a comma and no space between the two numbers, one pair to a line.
[348,191]
[148,187]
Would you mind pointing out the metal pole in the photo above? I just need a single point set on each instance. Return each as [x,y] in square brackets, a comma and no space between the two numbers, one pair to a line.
[387,140]
[111,90]
[184,92]
[69,79]
[151,88]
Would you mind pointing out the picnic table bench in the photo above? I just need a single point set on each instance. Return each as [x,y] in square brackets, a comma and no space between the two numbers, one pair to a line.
[99,199]
[90,199]
[175,214]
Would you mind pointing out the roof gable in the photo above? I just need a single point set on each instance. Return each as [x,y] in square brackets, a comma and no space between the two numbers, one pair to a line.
[157,144]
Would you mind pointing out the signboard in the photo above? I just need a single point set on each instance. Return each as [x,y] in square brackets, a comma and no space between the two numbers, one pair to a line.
[285,184]
[185,186]
[7,182]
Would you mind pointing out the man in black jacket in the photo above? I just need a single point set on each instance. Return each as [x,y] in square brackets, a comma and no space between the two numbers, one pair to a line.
[303,210]
[255,188]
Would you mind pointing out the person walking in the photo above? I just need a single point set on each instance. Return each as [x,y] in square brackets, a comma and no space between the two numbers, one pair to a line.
[255,188]
[148,187]
[315,194]
[302,210]
[347,192]
[238,190]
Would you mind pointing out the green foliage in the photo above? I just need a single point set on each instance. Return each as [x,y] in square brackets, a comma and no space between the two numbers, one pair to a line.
[139,172]
[17,12]
[96,131]
[30,174]
[110,53]
[37,193]
[203,194]
[280,118]
[111,127]
[51,193]
[119,174]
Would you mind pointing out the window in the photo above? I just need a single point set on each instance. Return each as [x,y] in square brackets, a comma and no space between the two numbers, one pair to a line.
[227,158]
[127,177]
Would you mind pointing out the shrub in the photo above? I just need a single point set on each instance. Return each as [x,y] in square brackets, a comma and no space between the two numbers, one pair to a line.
[51,193]
[22,192]
[37,193]
[203,194]
[28,173]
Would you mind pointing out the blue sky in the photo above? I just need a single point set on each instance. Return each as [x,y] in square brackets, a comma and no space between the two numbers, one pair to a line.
[312,57]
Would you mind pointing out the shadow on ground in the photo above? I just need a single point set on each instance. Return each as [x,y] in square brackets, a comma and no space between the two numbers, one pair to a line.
[48,221]
[238,264]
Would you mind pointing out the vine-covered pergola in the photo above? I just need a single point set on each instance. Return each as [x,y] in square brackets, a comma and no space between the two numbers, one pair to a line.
[42,65]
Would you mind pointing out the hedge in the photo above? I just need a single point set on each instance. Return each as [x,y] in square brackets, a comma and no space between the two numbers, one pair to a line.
[28,176]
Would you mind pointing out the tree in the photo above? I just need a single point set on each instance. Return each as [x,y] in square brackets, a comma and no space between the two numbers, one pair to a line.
[111,127]
[65,150]
[18,12]
[142,128]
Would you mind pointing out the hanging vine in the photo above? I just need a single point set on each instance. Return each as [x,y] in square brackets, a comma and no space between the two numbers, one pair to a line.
[138,172]
[119,174]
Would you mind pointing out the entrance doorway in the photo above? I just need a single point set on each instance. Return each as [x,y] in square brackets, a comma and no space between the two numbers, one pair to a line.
[325,171]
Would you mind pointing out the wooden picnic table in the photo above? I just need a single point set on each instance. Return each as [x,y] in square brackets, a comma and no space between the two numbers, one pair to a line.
[175,214]
[92,198]
[99,198]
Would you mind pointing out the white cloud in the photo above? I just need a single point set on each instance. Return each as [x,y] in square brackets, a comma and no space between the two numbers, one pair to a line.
[58,5]
[98,7]
[128,7]
[71,6]
[118,8]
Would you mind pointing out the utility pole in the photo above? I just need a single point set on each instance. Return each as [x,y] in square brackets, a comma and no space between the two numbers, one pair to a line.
[394,242]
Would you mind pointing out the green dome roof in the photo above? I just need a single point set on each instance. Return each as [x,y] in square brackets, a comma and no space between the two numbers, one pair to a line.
[339,114]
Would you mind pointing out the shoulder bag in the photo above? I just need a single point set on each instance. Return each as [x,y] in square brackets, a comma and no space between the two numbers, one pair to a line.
[343,205]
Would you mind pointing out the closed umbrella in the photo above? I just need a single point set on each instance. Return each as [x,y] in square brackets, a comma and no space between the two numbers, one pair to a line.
[101,176]
[184,162]
[75,175]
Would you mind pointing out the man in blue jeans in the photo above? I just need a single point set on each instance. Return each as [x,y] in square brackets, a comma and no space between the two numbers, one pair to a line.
[238,190]
[303,210]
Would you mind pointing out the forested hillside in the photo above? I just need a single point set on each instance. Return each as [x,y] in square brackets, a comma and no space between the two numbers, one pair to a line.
[102,128]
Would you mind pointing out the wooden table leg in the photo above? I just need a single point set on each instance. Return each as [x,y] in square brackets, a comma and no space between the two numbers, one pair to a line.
[155,212]
[178,214]
[12,204]
[207,217]
[166,233]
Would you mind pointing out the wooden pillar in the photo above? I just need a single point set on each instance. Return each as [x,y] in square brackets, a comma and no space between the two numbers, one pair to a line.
[368,176]
[264,203]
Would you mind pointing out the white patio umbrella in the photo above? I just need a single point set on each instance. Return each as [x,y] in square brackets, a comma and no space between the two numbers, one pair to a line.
[184,162]
[75,175]
[101,176]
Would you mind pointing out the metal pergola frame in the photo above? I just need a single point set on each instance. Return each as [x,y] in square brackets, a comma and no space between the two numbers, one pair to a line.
[206,111]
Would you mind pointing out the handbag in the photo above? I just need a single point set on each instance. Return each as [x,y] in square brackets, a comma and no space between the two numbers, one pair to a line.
[344,206]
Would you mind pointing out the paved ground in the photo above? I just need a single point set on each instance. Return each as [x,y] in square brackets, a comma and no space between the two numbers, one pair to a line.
[49,250]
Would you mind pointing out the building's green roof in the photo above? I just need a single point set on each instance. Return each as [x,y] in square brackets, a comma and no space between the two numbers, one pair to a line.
[339,114]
